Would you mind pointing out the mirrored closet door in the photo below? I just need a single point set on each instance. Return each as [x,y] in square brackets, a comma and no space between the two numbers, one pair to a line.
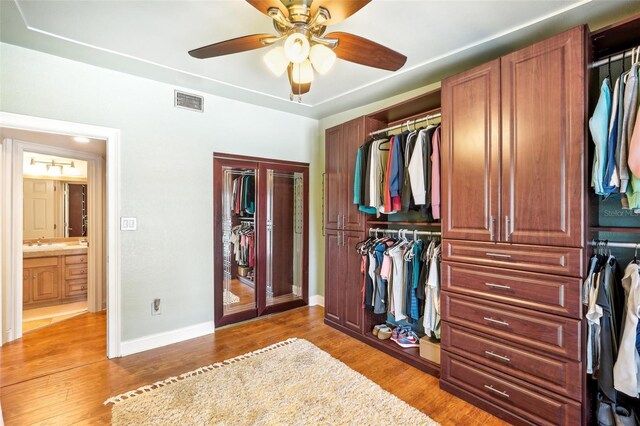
[260,237]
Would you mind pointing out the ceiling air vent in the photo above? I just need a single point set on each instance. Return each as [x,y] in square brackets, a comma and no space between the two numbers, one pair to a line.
[188,101]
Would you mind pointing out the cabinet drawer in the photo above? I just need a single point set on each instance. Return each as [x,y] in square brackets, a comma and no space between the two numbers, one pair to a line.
[546,293]
[550,260]
[536,405]
[36,262]
[561,376]
[548,333]
[75,287]
[80,258]
[75,272]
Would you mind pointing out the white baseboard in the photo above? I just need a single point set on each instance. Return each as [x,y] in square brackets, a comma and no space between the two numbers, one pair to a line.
[316,299]
[168,338]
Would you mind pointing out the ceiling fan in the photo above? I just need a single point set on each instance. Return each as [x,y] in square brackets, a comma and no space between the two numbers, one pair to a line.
[301,24]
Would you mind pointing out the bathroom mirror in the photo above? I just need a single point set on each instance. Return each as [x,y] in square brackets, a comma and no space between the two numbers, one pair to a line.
[54,208]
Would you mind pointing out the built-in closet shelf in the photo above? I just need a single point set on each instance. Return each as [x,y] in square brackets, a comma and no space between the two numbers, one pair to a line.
[622,35]
[614,229]
[403,223]
[409,355]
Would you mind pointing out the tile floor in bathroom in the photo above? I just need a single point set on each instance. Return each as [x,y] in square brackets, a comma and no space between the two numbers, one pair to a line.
[33,319]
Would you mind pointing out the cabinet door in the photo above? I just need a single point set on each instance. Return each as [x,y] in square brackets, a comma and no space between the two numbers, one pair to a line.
[352,278]
[332,178]
[26,286]
[334,278]
[542,142]
[352,138]
[46,283]
[470,153]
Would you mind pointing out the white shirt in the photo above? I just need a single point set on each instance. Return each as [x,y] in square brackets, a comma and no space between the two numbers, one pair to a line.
[416,170]
[626,371]
[431,320]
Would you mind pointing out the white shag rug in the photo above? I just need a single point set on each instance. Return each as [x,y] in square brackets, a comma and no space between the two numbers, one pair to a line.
[229,298]
[288,383]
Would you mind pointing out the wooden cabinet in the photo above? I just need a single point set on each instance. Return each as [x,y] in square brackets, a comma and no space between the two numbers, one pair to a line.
[343,288]
[341,149]
[513,147]
[543,104]
[471,153]
[54,280]
[524,403]
[333,288]
[45,283]
[344,223]
[513,232]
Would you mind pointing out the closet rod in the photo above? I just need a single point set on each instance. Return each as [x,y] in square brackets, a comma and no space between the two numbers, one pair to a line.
[407,123]
[595,243]
[612,58]
[397,231]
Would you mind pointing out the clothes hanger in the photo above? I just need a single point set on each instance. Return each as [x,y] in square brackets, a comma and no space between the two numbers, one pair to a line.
[635,253]
[384,142]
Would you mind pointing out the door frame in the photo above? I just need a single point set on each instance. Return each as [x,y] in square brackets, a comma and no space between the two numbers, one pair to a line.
[95,207]
[11,265]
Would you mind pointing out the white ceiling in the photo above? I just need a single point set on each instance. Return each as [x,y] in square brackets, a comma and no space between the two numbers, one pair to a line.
[151,39]
[94,146]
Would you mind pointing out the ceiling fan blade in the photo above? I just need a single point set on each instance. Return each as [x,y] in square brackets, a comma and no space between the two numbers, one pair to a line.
[362,51]
[228,47]
[264,5]
[339,9]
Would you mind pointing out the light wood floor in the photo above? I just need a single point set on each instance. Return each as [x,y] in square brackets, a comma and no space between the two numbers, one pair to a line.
[60,375]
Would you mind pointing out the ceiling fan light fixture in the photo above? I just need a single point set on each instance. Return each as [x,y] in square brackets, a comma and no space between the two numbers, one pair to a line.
[296,48]
[302,73]
[276,60]
[322,58]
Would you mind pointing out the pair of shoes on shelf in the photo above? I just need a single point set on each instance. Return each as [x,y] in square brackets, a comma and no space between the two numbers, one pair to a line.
[405,337]
[382,331]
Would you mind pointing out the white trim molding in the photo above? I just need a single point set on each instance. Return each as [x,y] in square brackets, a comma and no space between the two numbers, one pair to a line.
[158,340]
[316,300]
[9,240]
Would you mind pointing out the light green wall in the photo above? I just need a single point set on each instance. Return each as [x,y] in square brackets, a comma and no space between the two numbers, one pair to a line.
[166,172]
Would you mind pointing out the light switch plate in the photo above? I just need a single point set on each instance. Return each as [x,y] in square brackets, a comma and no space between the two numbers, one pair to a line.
[128,224]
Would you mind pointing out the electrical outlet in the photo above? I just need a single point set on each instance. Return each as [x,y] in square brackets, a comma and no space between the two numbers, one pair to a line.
[155,307]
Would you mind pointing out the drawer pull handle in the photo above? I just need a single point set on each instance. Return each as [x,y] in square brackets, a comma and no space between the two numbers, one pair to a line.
[493,354]
[505,256]
[499,392]
[492,285]
[496,321]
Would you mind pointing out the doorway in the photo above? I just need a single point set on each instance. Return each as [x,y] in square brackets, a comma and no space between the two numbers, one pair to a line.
[57,265]
[101,198]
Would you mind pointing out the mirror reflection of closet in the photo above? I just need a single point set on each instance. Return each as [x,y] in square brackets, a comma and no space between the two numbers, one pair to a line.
[238,235]
[285,227]
[55,197]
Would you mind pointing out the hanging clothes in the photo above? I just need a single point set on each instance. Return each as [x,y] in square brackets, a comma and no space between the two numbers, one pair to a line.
[242,239]
[616,164]
[431,321]
[399,173]
[243,193]
[598,125]
[435,173]
[626,371]
[402,279]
